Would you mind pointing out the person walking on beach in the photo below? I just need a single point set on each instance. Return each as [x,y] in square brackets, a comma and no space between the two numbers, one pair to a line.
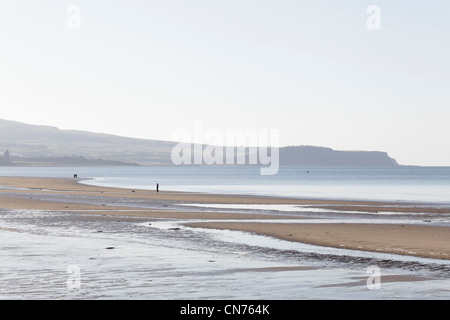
[157,187]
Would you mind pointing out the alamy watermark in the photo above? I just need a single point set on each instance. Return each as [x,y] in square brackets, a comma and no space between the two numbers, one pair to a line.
[373,21]
[74,278]
[374,280]
[227,147]
[74,19]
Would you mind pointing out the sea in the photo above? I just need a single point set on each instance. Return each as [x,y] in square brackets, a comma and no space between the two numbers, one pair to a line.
[66,255]
[403,183]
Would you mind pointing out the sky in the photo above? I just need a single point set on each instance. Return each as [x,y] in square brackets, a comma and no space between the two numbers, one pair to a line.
[326,73]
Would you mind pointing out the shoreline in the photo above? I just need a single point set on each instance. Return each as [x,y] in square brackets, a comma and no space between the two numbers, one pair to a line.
[59,194]
[336,199]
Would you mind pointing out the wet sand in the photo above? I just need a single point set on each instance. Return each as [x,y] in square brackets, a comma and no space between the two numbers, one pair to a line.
[414,240]
[427,241]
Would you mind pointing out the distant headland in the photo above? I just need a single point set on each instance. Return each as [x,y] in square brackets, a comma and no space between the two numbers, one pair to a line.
[26,144]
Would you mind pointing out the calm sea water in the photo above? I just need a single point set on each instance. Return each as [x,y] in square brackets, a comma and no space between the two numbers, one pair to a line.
[424,184]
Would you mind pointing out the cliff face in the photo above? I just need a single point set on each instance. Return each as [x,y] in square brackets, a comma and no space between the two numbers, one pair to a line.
[319,156]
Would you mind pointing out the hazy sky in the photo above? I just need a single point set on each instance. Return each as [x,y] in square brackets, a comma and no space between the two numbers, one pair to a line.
[312,69]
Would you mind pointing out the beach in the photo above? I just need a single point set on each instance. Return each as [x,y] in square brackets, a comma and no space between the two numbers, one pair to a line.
[350,226]
[409,239]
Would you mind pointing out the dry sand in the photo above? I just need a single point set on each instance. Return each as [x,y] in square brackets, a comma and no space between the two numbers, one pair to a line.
[407,239]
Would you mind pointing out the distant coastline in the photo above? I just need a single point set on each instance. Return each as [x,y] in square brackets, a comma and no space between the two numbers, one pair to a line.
[62,161]
[25,144]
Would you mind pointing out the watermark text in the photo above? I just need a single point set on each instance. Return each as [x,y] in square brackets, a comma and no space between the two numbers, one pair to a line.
[202,146]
